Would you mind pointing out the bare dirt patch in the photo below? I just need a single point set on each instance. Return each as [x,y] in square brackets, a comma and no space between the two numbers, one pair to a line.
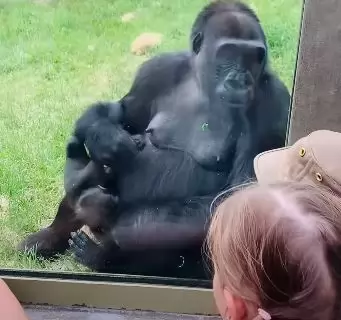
[145,41]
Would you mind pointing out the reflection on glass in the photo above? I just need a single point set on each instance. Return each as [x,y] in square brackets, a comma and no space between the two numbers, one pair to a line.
[128,182]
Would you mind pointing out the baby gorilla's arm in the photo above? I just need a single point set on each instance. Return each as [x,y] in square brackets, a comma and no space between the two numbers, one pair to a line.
[81,173]
[91,204]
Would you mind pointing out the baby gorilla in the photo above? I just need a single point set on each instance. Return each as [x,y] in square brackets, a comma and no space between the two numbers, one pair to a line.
[94,195]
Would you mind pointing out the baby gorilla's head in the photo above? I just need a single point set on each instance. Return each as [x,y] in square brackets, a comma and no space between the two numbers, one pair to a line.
[111,145]
[96,208]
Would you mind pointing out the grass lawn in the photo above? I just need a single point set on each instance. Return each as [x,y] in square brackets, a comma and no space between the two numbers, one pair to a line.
[58,56]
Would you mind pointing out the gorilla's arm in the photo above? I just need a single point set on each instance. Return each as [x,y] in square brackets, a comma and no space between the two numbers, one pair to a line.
[154,78]
[265,127]
[76,161]
[80,172]
[168,225]
[147,231]
[271,116]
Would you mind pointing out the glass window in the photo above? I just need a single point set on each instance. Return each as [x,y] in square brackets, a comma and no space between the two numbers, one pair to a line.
[121,121]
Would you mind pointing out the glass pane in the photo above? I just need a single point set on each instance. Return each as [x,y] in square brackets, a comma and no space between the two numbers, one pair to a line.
[182,117]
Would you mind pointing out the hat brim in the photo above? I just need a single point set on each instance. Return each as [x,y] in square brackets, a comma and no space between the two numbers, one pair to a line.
[269,165]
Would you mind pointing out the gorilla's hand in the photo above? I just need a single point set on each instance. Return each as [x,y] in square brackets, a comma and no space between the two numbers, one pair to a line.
[87,252]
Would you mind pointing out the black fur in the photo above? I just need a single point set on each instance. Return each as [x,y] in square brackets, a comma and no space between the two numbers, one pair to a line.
[206,112]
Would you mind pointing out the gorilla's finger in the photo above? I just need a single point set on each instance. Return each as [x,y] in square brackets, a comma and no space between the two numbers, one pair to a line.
[74,247]
[83,238]
[77,241]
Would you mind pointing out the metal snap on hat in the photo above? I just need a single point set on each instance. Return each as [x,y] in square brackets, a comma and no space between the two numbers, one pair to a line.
[315,159]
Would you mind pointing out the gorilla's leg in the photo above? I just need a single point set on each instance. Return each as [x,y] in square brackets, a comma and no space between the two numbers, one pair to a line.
[163,240]
[53,239]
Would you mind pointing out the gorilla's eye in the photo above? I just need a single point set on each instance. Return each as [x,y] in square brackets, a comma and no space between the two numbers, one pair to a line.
[197,42]
[261,55]
[107,169]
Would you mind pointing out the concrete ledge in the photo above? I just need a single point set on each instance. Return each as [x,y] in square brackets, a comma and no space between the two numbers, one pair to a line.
[57,313]
[111,295]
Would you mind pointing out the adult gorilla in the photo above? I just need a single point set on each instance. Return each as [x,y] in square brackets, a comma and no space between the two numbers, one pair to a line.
[206,113]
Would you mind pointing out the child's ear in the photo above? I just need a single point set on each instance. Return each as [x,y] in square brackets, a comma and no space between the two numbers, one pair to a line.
[236,306]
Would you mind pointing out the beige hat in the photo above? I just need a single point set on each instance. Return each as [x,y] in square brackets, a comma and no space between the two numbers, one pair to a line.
[315,159]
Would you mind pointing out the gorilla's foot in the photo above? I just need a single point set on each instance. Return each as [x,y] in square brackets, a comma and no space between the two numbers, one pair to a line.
[45,243]
[85,251]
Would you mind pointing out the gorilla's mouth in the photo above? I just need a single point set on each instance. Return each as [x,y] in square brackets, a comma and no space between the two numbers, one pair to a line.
[235,101]
[234,98]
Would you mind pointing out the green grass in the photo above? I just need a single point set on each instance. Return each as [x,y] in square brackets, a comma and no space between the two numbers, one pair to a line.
[55,58]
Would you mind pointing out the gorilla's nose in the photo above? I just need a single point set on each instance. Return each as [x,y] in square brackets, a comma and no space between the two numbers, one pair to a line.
[238,80]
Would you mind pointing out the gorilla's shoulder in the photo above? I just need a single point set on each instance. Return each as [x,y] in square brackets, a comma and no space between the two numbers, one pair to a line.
[173,66]
[167,59]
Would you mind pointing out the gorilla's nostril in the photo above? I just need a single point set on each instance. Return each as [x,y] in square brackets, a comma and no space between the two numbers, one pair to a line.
[234,84]
[238,81]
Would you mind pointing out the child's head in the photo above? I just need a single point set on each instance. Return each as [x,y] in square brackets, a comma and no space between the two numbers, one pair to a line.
[272,248]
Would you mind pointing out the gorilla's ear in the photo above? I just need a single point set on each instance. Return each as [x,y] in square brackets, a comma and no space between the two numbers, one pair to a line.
[197,42]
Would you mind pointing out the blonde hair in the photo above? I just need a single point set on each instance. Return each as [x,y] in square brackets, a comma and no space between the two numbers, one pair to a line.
[276,247]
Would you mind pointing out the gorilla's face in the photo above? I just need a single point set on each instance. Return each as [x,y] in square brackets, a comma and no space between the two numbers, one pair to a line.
[230,56]
[111,145]
[238,66]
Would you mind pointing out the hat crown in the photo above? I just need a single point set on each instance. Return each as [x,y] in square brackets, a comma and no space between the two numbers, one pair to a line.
[322,149]
[314,159]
